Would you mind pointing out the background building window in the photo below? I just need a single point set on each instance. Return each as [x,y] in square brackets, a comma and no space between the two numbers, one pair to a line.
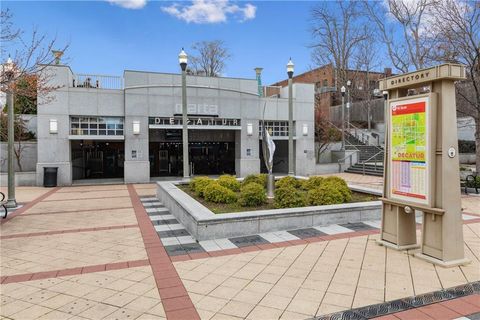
[275,128]
[96,126]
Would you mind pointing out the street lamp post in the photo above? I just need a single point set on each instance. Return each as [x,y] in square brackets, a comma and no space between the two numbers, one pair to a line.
[343,117]
[9,73]
[349,84]
[290,68]
[183,59]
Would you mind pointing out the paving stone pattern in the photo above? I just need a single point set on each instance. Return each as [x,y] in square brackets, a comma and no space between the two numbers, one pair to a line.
[177,241]
[399,305]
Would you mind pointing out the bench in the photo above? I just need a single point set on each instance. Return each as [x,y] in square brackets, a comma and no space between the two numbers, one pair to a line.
[2,203]
[471,182]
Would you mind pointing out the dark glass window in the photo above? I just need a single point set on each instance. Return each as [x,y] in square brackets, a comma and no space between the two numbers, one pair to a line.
[96,126]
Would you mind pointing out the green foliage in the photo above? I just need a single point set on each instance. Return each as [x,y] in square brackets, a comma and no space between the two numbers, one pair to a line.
[340,185]
[252,194]
[288,182]
[324,195]
[312,183]
[229,182]
[288,197]
[261,179]
[198,185]
[465,146]
[214,192]
[473,181]
[25,96]
[21,132]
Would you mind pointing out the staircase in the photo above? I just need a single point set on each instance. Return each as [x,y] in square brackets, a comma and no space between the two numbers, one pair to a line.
[370,157]
[370,169]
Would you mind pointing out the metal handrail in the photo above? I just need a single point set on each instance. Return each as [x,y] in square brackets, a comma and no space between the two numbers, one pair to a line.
[349,124]
[97,81]
[375,165]
[342,160]
[339,129]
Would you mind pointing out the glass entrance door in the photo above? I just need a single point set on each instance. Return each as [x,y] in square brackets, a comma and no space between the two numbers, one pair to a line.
[93,159]
[163,162]
[212,158]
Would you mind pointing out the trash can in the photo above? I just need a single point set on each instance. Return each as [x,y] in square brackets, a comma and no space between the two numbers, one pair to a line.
[50,176]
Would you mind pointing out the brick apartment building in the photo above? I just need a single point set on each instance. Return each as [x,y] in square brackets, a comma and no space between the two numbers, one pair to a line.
[327,90]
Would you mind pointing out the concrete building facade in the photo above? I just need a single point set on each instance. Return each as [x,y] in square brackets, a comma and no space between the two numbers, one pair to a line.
[99,127]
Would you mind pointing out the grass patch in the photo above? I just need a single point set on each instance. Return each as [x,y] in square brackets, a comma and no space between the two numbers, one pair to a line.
[219,208]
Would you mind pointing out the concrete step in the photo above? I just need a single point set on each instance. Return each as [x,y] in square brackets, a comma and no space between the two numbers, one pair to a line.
[367,172]
[370,169]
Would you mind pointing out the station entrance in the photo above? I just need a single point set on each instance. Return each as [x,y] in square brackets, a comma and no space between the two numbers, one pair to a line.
[93,159]
[211,152]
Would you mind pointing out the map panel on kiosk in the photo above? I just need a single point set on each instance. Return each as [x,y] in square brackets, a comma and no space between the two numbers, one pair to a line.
[409,145]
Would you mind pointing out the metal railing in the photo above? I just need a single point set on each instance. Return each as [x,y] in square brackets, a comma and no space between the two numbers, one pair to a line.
[347,143]
[360,134]
[369,159]
[343,160]
[97,81]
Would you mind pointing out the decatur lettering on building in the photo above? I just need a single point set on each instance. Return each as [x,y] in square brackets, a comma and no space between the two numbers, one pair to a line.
[195,121]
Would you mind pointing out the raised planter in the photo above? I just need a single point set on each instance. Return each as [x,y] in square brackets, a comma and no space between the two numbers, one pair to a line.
[203,224]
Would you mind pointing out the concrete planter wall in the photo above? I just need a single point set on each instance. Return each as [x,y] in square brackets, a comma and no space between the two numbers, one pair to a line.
[203,224]
[21,179]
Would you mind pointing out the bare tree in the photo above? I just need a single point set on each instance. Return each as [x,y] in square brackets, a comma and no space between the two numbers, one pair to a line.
[457,24]
[366,61]
[31,54]
[337,31]
[403,26]
[210,58]
[325,134]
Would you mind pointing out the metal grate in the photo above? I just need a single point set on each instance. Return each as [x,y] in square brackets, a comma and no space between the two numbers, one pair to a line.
[389,307]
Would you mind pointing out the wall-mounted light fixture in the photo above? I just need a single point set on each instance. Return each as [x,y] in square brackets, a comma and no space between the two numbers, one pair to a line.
[136,127]
[305,129]
[53,126]
[249,129]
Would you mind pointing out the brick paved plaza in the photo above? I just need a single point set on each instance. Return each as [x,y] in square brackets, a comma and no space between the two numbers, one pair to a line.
[113,252]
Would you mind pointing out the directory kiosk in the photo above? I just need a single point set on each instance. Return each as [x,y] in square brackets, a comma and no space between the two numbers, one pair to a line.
[421,175]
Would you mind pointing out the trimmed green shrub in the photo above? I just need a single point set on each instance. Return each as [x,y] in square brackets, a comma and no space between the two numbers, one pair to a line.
[288,182]
[340,185]
[288,197]
[323,195]
[214,192]
[261,179]
[229,182]
[252,194]
[312,183]
[465,146]
[198,185]
[473,183]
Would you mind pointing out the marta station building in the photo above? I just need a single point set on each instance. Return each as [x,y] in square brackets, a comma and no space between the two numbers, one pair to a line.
[130,128]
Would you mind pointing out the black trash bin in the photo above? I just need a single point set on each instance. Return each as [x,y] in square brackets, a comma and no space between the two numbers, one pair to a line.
[50,176]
